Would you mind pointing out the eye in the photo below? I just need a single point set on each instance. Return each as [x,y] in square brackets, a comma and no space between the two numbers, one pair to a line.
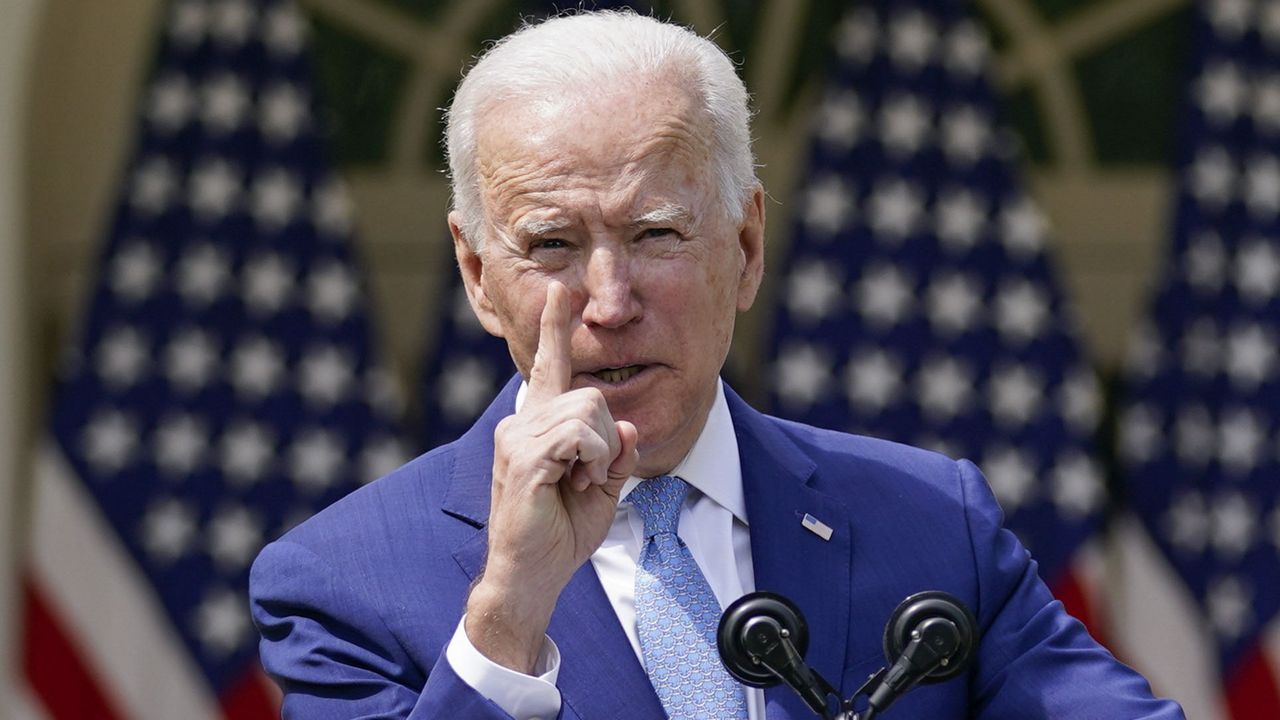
[548,244]
[658,232]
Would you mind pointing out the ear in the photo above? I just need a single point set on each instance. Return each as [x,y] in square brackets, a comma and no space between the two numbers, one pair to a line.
[471,265]
[751,243]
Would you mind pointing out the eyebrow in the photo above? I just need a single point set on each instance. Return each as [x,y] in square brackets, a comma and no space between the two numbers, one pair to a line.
[663,214]
[538,228]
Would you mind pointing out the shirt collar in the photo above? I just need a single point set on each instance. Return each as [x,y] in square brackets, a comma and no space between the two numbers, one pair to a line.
[712,465]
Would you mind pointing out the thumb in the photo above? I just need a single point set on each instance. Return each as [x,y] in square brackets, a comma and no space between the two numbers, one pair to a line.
[624,464]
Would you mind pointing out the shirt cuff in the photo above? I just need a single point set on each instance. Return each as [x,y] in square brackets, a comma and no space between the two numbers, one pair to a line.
[523,697]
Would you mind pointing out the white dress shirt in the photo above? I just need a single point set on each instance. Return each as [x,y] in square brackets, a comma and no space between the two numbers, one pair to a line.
[713,524]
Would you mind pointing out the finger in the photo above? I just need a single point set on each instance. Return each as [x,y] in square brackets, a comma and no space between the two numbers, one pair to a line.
[628,456]
[592,466]
[552,371]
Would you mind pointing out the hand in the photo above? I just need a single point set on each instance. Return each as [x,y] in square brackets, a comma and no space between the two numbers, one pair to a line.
[558,467]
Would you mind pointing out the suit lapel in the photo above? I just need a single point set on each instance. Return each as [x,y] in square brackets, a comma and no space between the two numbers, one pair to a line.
[600,676]
[788,558]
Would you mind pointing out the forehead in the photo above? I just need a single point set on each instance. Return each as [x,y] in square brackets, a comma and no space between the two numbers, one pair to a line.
[617,142]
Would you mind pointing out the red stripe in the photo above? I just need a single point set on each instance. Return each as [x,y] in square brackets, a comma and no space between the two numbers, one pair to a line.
[53,666]
[1251,688]
[251,697]
[1071,591]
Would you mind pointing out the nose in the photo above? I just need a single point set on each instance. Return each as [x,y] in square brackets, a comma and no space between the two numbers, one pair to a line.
[611,293]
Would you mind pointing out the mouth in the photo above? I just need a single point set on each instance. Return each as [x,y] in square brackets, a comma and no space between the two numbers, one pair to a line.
[617,375]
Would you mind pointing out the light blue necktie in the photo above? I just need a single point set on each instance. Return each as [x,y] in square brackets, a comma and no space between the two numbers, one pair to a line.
[677,614]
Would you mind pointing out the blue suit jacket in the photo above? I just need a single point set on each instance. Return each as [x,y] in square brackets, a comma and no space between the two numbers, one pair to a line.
[356,605]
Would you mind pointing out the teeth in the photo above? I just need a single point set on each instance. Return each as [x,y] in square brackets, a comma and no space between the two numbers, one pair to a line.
[617,375]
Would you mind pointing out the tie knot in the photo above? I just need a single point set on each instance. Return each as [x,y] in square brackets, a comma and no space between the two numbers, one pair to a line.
[658,501]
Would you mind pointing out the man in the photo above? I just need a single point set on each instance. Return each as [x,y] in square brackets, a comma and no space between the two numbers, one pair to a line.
[609,226]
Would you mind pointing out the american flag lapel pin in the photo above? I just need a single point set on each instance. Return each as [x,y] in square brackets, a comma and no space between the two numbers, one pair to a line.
[816,526]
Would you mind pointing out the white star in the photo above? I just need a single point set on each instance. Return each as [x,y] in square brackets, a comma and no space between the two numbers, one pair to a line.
[1230,18]
[170,103]
[332,292]
[282,112]
[905,122]
[1140,433]
[961,218]
[1016,395]
[1196,438]
[317,458]
[828,206]
[1080,400]
[276,199]
[380,457]
[967,49]
[180,443]
[856,37]
[1011,476]
[1187,523]
[873,380]
[203,274]
[884,295]
[912,38]
[813,291]
[168,528]
[1230,605]
[222,622]
[953,301]
[214,189]
[944,387]
[109,441]
[246,452]
[1241,435]
[224,101]
[1250,356]
[966,135]
[1021,311]
[188,22]
[1201,348]
[285,30]
[1235,525]
[135,269]
[467,385]
[268,282]
[895,209]
[1261,189]
[232,21]
[1212,177]
[326,375]
[256,367]
[382,390]
[1257,271]
[1145,354]
[153,185]
[840,120]
[1077,486]
[123,356]
[1022,228]
[1221,91]
[802,375]
[333,209]
[1266,104]
[1205,262]
[1269,24]
[235,537]
[190,359]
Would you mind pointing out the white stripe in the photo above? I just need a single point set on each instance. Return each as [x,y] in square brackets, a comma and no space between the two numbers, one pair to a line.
[1156,625]
[22,706]
[106,603]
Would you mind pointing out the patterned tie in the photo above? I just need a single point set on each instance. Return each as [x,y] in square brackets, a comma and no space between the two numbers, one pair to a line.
[677,614]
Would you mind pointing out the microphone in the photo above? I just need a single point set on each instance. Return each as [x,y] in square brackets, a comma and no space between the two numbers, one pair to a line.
[930,638]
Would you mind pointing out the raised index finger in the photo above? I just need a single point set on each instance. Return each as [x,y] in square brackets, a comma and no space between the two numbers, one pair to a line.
[552,369]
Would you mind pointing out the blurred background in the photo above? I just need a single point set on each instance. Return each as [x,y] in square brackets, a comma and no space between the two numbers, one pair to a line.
[1040,234]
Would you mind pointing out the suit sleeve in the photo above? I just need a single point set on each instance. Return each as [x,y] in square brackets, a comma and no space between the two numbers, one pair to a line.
[335,659]
[1035,660]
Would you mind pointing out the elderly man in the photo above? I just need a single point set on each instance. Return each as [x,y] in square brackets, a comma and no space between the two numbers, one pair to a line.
[570,555]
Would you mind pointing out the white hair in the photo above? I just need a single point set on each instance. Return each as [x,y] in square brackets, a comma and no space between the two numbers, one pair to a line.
[599,49]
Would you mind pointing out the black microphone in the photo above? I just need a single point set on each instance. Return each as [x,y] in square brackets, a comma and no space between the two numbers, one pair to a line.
[931,637]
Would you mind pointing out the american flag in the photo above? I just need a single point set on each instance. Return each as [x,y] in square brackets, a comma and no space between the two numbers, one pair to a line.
[917,300]
[1200,428]
[222,388]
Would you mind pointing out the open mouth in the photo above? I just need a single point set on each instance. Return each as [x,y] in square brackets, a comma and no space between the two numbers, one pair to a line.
[617,375]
